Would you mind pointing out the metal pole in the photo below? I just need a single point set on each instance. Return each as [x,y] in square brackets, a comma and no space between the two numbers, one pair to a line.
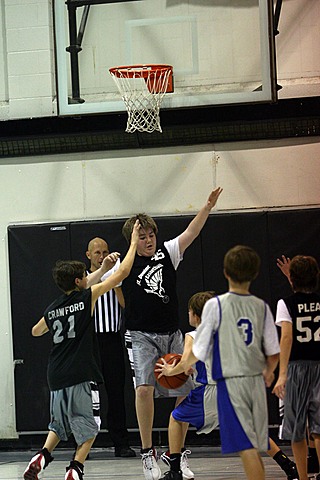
[74,50]
[277,16]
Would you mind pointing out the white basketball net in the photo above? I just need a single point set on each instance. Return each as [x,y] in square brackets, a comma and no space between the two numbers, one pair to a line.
[142,90]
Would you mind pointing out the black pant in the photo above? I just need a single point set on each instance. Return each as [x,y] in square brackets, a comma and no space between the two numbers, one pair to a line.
[113,370]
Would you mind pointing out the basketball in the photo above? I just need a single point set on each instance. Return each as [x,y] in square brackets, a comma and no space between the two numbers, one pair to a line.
[175,381]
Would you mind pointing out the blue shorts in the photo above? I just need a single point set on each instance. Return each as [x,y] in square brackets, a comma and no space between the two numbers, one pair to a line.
[199,409]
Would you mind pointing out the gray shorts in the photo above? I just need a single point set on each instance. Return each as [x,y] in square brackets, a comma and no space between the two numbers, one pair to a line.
[302,400]
[144,349]
[71,412]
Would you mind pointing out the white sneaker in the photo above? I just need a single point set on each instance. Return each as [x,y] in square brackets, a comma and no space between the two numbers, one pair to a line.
[150,467]
[184,465]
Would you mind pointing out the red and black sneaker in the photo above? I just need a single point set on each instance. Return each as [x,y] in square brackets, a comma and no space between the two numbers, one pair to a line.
[74,471]
[37,464]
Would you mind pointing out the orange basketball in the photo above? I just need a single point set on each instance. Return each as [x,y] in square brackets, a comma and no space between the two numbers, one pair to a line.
[175,381]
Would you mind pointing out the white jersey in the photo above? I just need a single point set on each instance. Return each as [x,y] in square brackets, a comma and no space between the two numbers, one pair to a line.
[203,370]
[237,332]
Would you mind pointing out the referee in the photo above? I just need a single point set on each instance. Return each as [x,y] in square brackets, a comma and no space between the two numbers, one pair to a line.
[107,317]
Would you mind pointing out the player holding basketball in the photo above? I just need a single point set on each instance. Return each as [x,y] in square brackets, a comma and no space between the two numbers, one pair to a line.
[72,362]
[244,357]
[151,315]
[200,406]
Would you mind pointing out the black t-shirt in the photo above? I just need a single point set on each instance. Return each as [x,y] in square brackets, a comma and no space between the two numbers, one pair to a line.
[151,303]
[73,358]
[304,309]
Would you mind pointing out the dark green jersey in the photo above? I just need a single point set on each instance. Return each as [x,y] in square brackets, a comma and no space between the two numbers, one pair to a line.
[73,358]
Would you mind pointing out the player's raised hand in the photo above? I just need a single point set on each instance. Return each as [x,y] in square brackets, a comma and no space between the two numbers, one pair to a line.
[135,232]
[284,264]
[109,261]
[213,197]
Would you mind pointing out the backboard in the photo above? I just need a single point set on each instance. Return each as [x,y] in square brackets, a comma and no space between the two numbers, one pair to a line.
[222,51]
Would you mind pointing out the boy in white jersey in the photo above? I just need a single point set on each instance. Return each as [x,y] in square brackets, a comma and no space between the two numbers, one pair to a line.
[244,357]
[199,407]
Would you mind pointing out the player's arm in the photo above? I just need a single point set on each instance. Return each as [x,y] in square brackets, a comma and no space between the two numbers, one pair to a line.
[203,342]
[271,346]
[196,225]
[187,360]
[271,365]
[122,272]
[285,351]
[284,264]
[120,297]
[108,262]
[40,328]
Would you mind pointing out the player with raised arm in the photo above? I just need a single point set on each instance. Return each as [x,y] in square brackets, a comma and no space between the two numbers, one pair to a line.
[72,365]
[152,320]
[298,383]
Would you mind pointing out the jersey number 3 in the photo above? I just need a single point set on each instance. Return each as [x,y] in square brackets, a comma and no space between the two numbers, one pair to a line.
[245,325]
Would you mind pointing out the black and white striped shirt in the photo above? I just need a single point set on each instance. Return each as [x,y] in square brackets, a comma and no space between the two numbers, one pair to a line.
[107,312]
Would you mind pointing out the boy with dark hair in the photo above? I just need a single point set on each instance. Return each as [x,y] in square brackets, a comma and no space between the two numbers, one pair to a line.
[313,463]
[299,373]
[72,365]
[200,404]
[244,357]
[200,408]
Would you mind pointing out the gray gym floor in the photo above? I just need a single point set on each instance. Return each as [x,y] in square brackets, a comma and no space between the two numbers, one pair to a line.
[207,464]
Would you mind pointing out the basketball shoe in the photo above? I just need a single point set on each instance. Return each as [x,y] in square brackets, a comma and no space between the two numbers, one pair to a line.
[74,471]
[150,467]
[313,464]
[187,473]
[291,471]
[37,464]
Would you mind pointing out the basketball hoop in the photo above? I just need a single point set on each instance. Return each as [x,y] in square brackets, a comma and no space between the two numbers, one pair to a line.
[142,88]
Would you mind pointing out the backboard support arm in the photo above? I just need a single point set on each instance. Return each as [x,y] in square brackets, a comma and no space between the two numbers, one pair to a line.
[277,12]
[75,39]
